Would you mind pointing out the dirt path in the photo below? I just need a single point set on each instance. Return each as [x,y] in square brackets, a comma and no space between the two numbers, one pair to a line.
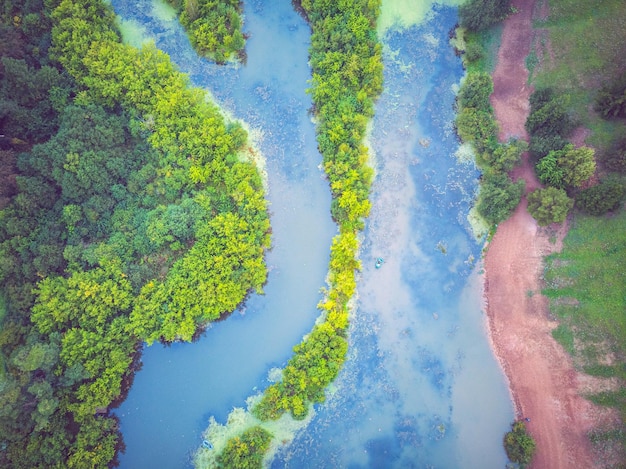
[543,381]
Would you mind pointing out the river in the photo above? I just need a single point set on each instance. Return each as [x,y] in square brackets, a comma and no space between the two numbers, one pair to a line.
[421,387]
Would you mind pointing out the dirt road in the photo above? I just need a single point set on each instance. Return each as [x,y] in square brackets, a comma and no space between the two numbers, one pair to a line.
[543,381]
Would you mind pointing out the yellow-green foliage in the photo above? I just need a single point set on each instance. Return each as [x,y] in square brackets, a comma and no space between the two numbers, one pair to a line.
[347,76]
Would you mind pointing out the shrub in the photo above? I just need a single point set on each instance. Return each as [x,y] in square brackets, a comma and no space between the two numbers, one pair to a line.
[602,198]
[611,99]
[505,156]
[475,91]
[549,205]
[498,197]
[615,159]
[548,115]
[245,451]
[477,15]
[477,127]
[540,146]
[518,444]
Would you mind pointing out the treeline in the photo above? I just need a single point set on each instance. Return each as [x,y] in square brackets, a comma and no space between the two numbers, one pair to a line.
[346,61]
[134,217]
[213,26]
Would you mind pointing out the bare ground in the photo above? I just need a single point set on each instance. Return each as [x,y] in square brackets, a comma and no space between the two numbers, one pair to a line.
[544,384]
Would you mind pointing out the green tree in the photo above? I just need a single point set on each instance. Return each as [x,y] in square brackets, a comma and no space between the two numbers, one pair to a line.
[578,164]
[518,444]
[550,205]
[475,91]
[245,451]
[505,156]
[476,15]
[601,198]
[498,197]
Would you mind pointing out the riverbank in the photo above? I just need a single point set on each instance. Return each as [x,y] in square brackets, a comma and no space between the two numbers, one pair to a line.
[544,384]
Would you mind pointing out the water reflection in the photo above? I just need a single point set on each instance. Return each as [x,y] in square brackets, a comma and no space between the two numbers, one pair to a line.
[181,386]
[421,387]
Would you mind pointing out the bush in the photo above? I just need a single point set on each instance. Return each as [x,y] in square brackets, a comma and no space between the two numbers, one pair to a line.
[548,115]
[602,198]
[245,451]
[540,146]
[518,444]
[549,205]
[475,91]
[498,197]
[477,15]
[477,127]
[505,156]
[611,99]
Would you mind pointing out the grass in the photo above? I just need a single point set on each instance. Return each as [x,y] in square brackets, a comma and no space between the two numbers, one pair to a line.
[586,284]
[588,48]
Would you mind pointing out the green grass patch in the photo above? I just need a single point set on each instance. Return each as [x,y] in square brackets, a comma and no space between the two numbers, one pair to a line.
[489,42]
[587,49]
[586,285]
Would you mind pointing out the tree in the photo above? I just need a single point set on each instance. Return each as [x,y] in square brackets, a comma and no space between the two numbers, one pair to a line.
[518,444]
[578,164]
[498,197]
[475,91]
[245,451]
[601,198]
[477,15]
[505,156]
[549,205]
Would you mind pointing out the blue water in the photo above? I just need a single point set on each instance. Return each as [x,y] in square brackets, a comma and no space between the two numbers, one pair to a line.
[421,387]
[179,387]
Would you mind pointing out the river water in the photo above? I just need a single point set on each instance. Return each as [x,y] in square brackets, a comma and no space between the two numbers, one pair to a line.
[421,387]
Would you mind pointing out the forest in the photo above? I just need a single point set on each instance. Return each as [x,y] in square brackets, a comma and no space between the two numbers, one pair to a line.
[132,213]
[131,210]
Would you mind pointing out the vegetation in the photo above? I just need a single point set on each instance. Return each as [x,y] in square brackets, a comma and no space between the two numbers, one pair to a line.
[347,76]
[585,282]
[519,445]
[476,124]
[477,15]
[214,26]
[245,451]
[132,217]
[549,205]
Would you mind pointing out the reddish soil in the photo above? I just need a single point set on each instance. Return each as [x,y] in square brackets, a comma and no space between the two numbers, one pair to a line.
[544,384]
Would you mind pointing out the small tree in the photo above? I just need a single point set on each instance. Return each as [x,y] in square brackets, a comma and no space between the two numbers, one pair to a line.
[475,91]
[602,198]
[518,444]
[549,205]
[578,164]
[498,197]
[477,15]
[505,156]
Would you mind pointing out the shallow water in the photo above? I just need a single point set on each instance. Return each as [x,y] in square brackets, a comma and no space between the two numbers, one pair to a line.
[180,386]
[421,387]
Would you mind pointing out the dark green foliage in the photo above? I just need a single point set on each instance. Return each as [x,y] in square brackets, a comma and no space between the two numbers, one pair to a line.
[540,146]
[96,215]
[477,127]
[476,15]
[475,91]
[601,198]
[503,157]
[548,115]
[611,99]
[550,205]
[245,451]
[615,158]
[498,197]
[518,444]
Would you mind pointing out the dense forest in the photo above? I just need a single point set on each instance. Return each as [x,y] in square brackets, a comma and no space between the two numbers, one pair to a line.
[131,213]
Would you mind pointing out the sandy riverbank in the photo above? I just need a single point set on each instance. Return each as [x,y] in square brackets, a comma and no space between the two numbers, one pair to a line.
[544,384]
